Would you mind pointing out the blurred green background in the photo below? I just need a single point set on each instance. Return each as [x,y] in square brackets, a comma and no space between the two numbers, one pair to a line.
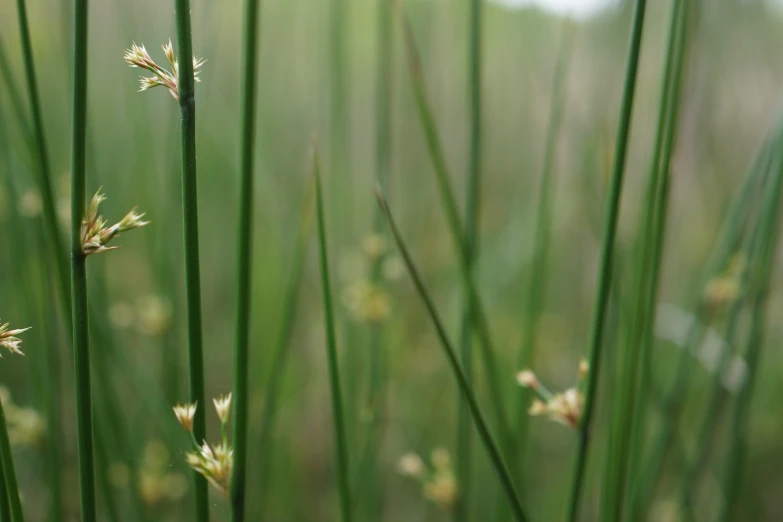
[734,74]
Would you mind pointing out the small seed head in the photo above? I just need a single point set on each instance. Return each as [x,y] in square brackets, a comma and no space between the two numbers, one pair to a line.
[528,379]
[185,414]
[223,407]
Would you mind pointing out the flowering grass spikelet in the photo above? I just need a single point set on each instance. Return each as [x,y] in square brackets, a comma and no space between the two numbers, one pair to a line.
[564,408]
[9,339]
[214,463]
[96,235]
[185,414]
[137,56]
[223,407]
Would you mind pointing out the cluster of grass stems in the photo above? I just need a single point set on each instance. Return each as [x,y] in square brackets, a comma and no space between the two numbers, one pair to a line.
[620,362]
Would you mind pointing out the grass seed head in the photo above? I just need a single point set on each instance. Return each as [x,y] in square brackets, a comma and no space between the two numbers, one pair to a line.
[223,407]
[161,77]
[185,414]
[96,235]
[9,339]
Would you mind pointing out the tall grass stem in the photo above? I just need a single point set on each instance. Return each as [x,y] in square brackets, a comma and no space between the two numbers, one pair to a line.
[452,358]
[472,212]
[11,487]
[331,352]
[596,340]
[55,237]
[81,342]
[244,259]
[187,104]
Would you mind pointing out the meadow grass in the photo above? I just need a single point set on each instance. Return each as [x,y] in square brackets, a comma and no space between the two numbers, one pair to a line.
[488,126]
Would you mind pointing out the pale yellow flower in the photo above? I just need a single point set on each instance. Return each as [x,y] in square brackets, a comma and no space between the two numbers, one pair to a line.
[185,414]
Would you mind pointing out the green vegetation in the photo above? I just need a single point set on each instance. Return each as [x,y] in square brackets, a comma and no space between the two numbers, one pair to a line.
[565,310]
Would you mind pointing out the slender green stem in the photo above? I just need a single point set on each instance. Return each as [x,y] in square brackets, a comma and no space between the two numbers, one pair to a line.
[331,352]
[539,268]
[605,262]
[5,506]
[754,282]
[8,471]
[187,105]
[244,260]
[728,238]
[57,245]
[737,445]
[454,221]
[656,219]
[280,357]
[472,212]
[631,396]
[14,95]
[451,357]
[81,343]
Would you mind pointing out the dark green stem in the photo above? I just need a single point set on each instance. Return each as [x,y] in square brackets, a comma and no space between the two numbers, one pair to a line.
[81,344]
[652,252]
[472,212]
[451,357]
[5,506]
[331,353]
[9,473]
[456,230]
[244,260]
[57,245]
[605,263]
[187,105]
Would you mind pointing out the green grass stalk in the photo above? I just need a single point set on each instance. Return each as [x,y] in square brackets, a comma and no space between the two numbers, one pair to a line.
[5,506]
[538,271]
[280,356]
[187,104]
[737,444]
[671,402]
[754,284]
[7,460]
[331,351]
[472,212]
[81,343]
[14,95]
[630,416]
[244,259]
[452,358]
[456,230]
[596,341]
[55,238]
[662,155]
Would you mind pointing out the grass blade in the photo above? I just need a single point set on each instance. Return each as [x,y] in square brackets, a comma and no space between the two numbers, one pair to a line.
[81,343]
[631,399]
[331,349]
[456,230]
[605,262]
[11,488]
[187,104]
[244,260]
[56,243]
[472,211]
[657,192]
[451,356]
